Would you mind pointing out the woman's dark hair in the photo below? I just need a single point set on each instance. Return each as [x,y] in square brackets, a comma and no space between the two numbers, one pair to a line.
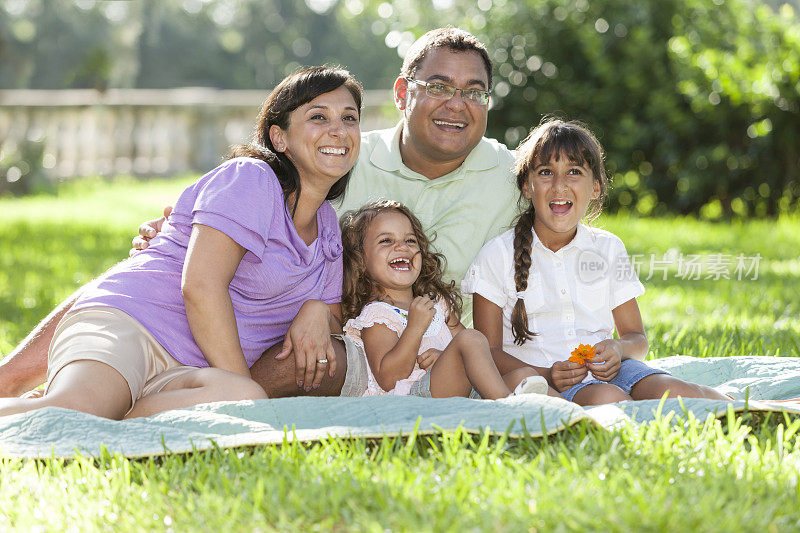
[358,287]
[552,139]
[295,90]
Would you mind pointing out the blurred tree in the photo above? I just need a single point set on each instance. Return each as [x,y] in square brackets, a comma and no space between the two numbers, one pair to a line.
[740,71]
[235,44]
[695,101]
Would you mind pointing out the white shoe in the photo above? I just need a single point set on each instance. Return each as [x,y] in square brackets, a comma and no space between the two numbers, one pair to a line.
[531,385]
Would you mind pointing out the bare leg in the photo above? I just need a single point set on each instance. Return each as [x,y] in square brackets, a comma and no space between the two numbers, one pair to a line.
[277,376]
[204,385]
[513,378]
[26,366]
[87,386]
[599,394]
[465,363]
[655,385]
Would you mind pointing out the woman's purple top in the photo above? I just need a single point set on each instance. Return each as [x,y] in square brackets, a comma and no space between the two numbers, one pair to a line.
[279,272]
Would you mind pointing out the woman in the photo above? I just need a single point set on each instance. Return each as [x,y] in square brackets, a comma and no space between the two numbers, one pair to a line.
[245,248]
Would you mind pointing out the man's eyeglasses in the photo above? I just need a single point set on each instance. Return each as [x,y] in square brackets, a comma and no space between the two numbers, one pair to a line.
[443,91]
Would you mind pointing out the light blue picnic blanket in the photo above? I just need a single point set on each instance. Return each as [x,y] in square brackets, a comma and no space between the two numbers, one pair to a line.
[55,432]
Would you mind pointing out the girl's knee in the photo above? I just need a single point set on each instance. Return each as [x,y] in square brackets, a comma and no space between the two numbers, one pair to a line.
[599,394]
[470,337]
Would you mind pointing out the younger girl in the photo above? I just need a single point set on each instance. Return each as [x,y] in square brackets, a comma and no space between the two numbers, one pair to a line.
[407,318]
[551,283]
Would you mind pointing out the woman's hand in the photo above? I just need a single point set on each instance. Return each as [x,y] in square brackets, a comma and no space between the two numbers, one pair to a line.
[147,231]
[565,374]
[606,363]
[309,339]
[420,314]
[426,359]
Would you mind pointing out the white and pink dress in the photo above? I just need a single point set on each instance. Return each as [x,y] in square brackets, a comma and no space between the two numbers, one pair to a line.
[436,336]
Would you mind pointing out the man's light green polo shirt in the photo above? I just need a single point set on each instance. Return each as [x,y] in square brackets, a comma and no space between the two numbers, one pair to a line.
[463,209]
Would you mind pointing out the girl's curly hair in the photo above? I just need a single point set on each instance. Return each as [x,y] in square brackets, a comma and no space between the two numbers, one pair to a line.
[358,287]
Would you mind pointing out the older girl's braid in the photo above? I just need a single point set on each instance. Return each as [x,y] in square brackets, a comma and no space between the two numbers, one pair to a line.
[523,239]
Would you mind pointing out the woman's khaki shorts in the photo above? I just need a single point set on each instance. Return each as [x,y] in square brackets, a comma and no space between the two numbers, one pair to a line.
[110,336]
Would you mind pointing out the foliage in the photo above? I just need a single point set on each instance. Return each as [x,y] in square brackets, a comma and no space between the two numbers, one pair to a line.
[695,101]
[23,169]
[232,44]
[741,75]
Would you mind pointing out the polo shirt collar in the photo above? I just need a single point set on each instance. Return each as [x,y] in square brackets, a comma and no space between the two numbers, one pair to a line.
[386,155]
[583,240]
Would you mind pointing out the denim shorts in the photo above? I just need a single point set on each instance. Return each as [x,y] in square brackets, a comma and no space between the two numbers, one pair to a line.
[631,372]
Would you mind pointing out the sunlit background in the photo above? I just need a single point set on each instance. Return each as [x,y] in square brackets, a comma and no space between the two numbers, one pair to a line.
[696,101]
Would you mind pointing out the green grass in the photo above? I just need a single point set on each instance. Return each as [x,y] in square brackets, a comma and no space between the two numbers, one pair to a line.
[735,474]
[718,317]
[711,476]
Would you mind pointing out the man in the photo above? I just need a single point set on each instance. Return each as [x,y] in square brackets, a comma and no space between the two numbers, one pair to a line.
[436,161]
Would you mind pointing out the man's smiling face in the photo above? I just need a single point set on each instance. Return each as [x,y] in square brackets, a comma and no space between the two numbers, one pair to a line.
[444,130]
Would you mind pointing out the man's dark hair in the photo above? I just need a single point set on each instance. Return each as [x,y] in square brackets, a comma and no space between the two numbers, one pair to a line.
[455,39]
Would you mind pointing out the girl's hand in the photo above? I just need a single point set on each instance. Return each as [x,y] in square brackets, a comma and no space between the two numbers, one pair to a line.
[606,363]
[309,338]
[420,314]
[426,359]
[565,374]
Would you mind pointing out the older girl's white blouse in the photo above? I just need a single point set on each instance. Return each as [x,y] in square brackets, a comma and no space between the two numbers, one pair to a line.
[570,293]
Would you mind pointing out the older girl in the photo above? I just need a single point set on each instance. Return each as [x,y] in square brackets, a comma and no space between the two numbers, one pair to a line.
[552,283]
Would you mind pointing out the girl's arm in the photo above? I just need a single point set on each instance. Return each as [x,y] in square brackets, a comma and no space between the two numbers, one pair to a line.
[392,359]
[632,342]
[426,359]
[632,339]
[488,319]
[211,262]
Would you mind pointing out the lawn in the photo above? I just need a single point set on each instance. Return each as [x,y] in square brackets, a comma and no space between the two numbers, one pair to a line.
[734,474]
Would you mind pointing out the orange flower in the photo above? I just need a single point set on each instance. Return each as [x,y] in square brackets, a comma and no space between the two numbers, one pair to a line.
[581,354]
